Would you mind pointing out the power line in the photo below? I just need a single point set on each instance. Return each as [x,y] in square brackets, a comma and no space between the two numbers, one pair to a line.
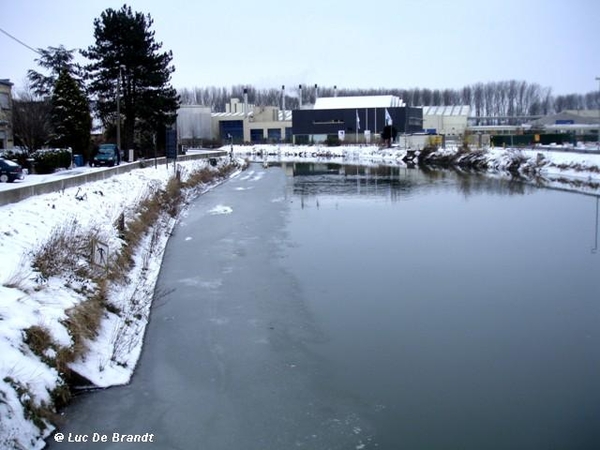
[20,42]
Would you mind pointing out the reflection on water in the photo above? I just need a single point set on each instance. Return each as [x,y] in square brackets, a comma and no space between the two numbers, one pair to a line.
[461,309]
[393,181]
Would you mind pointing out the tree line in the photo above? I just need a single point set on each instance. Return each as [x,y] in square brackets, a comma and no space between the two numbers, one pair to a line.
[493,102]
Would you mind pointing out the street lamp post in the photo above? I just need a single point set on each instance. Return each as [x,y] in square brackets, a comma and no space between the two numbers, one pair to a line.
[121,67]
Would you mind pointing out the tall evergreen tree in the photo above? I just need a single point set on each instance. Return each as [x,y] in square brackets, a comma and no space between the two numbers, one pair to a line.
[70,115]
[55,60]
[126,49]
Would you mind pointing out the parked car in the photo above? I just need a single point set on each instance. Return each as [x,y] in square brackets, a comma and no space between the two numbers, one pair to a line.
[10,171]
[107,155]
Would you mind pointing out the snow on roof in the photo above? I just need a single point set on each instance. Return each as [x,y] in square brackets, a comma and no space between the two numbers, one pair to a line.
[593,113]
[578,117]
[458,110]
[281,115]
[361,101]
[232,114]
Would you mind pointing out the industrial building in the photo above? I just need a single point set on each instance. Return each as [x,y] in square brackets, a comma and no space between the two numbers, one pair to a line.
[6,135]
[194,125]
[242,122]
[354,119]
[446,120]
[580,123]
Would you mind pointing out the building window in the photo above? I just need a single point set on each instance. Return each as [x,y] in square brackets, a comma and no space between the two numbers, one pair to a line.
[4,100]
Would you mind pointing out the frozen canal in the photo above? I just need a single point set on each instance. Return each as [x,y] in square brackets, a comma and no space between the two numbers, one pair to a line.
[326,307]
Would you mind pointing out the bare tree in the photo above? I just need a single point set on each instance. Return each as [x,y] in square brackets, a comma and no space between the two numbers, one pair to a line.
[31,120]
[479,101]
[466,96]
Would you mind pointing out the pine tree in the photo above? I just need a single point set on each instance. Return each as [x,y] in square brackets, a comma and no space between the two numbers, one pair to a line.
[125,47]
[54,59]
[70,115]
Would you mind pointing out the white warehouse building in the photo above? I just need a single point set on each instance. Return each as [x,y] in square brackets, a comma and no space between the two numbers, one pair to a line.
[446,120]
[194,124]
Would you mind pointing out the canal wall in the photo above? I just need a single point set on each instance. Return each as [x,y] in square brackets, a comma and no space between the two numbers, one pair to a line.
[21,193]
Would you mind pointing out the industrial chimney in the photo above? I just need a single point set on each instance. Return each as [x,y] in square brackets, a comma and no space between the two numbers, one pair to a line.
[300,94]
[316,93]
[283,97]
[335,91]
[245,102]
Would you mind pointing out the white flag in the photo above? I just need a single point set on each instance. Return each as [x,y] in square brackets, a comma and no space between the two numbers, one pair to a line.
[357,121]
[388,118]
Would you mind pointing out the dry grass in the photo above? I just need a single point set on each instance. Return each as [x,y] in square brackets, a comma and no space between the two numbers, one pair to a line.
[39,340]
[20,275]
[83,321]
[67,250]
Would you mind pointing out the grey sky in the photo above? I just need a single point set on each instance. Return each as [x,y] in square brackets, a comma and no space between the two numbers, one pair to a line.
[384,43]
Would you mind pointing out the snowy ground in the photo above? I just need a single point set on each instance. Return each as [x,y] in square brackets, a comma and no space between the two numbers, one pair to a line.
[25,301]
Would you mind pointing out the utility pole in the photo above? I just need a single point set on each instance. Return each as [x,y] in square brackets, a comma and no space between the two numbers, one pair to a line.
[121,67]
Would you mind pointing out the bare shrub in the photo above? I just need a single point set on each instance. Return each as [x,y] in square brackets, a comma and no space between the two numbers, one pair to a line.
[39,340]
[83,321]
[64,251]
[172,196]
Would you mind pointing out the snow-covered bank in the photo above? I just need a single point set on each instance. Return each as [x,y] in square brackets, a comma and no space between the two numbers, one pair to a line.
[35,307]
[549,166]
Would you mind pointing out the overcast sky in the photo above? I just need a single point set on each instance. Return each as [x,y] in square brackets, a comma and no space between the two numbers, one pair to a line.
[384,43]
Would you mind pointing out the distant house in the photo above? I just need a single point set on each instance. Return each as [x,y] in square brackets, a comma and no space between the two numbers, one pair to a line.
[6,135]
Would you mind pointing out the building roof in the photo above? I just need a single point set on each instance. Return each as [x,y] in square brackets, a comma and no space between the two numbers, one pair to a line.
[281,115]
[585,113]
[589,116]
[361,101]
[232,114]
[458,110]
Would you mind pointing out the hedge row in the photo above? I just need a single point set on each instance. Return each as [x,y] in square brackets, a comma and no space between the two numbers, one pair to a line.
[47,161]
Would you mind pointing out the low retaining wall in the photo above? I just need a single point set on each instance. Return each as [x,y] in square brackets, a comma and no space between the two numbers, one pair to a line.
[20,193]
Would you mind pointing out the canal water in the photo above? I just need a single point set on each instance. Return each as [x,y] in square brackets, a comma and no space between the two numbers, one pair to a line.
[325,306]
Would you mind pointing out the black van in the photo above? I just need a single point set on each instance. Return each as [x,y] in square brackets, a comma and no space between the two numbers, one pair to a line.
[107,155]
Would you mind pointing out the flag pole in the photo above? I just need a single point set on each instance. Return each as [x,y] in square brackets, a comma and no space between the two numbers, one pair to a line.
[375,120]
[356,128]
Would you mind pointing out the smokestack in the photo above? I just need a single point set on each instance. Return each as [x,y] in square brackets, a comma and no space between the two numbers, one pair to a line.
[300,94]
[335,91]
[245,102]
[283,97]
[316,93]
